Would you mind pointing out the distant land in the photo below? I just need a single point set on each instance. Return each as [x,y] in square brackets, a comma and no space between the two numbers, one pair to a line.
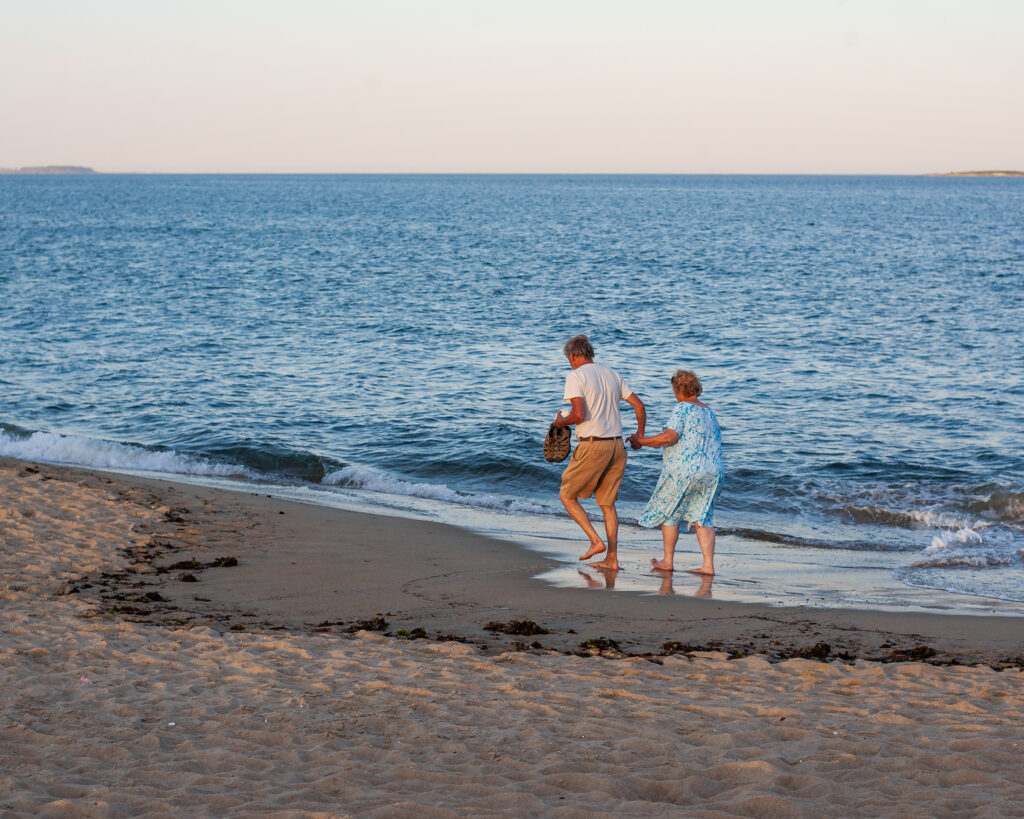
[979,173]
[48,169]
[53,170]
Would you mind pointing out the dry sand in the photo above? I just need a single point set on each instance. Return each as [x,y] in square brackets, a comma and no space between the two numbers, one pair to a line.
[126,692]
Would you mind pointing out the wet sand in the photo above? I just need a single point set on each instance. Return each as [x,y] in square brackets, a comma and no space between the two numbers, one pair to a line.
[169,648]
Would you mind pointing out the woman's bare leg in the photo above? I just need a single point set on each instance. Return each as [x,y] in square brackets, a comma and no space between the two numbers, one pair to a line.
[706,541]
[669,538]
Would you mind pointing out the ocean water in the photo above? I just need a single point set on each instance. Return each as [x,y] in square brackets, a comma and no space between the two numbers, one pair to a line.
[395,341]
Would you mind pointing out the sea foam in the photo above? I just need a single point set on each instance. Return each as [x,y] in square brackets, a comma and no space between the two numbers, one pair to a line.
[963,548]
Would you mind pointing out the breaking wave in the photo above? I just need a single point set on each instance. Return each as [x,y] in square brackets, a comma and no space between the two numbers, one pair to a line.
[73,450]
[376,480]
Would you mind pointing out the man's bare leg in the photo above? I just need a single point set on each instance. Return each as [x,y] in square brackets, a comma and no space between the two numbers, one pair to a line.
[669,538]
[611,530]
[579,515]
[706,541]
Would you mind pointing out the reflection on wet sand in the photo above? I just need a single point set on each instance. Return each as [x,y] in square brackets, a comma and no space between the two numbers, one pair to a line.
[607,581]
[596,578]
[703,590]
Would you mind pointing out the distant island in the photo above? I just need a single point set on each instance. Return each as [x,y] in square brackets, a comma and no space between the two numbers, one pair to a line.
[979,173]
[48,169]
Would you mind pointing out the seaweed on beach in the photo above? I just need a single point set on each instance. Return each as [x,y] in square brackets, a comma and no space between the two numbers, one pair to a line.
[915,654]
[194,565]
[675,647]
[522,628]
[148,597]
[415,634]
[184,564]
[819,651]
[175,515]
[600,645]
[373,624]
[133,610]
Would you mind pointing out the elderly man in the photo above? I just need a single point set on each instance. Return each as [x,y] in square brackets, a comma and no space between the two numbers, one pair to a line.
[599,460]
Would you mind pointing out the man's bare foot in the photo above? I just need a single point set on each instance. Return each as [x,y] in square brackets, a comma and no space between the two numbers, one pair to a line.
[702,571]
[661,565]
[611,564]
[595,549]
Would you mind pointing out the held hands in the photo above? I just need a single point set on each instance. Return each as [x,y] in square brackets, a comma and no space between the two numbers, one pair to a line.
[634,441]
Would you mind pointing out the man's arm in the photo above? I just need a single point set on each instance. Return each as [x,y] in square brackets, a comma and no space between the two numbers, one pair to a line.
[576,414]
[641,413]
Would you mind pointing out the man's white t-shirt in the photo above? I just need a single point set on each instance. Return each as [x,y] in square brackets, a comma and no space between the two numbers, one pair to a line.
[601,389]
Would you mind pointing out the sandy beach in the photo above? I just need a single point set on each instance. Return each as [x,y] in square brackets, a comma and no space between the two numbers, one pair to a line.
[171,649]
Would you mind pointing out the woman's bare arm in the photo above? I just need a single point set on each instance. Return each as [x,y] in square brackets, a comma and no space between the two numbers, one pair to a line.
[666,437]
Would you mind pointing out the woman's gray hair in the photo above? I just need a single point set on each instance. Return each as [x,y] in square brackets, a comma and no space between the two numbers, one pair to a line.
[578,345]
[687,383]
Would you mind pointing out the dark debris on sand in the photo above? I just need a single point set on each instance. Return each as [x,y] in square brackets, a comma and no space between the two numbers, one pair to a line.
[372,624]
[601,646]
[195,566]
[131,592]
[521,628]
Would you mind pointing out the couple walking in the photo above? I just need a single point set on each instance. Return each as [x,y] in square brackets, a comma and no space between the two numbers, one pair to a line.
[691,468]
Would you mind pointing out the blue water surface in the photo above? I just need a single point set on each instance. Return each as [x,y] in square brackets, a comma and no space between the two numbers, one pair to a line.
[858,337]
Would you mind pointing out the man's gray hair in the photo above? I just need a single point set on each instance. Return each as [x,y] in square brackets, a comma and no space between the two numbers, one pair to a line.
[578,345]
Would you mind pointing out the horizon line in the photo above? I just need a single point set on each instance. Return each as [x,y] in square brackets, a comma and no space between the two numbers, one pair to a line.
[14,171]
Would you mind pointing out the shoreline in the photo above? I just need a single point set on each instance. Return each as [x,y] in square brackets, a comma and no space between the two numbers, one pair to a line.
[307,568]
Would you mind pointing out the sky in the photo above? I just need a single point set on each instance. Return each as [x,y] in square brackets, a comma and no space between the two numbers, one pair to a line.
[532,86]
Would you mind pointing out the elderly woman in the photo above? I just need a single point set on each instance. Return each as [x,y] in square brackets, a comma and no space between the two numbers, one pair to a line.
[690,474]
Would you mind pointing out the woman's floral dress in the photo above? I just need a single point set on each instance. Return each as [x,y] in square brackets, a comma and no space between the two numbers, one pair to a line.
[691,470]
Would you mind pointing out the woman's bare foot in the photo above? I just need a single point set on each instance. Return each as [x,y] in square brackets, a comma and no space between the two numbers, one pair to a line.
[661,565]
[612,564]
[703,571]
[595,549]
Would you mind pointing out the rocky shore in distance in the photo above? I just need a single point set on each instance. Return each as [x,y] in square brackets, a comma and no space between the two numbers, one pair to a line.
[48,169]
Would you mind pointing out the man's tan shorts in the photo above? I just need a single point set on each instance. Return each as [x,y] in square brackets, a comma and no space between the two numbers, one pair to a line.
[596,468]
